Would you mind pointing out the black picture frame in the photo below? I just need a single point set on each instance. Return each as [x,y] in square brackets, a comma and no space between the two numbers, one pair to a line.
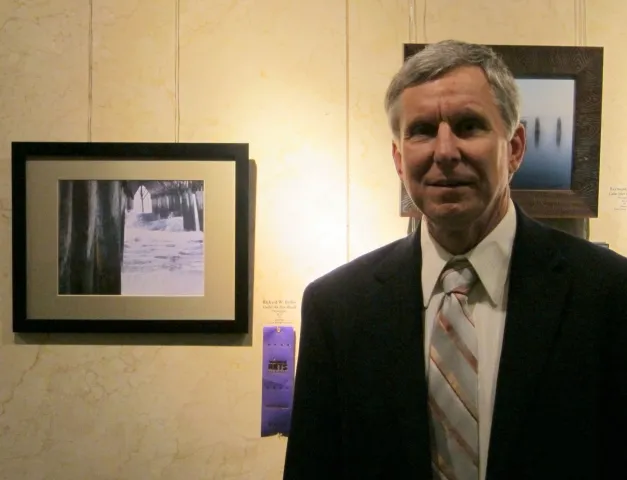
[585,66]
[31,161]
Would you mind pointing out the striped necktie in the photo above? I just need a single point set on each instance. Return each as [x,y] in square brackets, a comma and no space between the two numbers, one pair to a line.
[452,379]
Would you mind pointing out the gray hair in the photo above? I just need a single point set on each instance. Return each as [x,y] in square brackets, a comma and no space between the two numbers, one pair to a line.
[437,59]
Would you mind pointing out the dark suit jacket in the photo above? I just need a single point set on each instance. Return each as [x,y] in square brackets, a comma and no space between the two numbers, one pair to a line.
[560,411]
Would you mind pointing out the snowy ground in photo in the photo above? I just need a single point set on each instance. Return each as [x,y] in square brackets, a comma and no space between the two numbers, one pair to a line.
[160,258]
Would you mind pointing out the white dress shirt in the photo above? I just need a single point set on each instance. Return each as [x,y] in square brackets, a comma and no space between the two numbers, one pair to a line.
[487,302]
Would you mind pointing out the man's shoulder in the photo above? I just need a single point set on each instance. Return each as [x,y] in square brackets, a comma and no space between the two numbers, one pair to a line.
[356,273]
[587,256]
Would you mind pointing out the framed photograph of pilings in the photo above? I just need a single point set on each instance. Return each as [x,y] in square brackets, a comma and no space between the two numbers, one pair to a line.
[561,95]
[130,237]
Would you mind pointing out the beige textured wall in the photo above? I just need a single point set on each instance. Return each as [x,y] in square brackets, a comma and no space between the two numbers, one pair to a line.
[302,82]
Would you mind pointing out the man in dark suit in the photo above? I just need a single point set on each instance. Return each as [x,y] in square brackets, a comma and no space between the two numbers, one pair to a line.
[484,345]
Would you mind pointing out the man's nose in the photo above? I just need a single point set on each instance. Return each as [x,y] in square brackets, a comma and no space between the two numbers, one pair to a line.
[446,150]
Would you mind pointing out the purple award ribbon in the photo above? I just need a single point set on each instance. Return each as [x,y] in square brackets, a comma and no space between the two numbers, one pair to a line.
[278,379]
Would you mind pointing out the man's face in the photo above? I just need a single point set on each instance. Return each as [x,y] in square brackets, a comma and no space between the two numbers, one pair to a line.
[453,154]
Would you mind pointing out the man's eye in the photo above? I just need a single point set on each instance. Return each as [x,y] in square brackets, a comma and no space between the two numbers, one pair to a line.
[467,127]
[422,130]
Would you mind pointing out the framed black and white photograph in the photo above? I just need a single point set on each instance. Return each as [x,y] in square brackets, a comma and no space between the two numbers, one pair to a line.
[130,237]
[561,95]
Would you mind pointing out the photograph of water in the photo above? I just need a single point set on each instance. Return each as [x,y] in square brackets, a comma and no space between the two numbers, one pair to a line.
[547,111]
[131,237]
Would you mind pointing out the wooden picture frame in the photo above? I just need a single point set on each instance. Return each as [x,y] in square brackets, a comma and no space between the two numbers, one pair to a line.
[583,65]
[130,237]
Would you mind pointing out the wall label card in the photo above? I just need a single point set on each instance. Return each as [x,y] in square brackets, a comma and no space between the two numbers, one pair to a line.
[282,309]
[618,198]
[278,379]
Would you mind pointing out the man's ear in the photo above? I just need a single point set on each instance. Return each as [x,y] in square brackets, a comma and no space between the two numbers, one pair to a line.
[396,155]
[517,147]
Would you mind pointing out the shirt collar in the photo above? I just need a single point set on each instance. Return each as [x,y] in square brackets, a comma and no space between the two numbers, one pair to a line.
[490,258]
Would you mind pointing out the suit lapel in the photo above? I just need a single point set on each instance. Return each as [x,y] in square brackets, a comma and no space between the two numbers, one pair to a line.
[399,302]
[538,287]
[401,293]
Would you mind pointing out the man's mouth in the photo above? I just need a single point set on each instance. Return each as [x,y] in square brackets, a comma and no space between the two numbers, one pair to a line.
[451,183]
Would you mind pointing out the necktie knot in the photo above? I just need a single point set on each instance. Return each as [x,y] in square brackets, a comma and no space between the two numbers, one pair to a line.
[458,276]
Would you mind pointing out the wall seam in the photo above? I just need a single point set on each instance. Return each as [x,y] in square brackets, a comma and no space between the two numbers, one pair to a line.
[177,109]
[347,127]
[90,60]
